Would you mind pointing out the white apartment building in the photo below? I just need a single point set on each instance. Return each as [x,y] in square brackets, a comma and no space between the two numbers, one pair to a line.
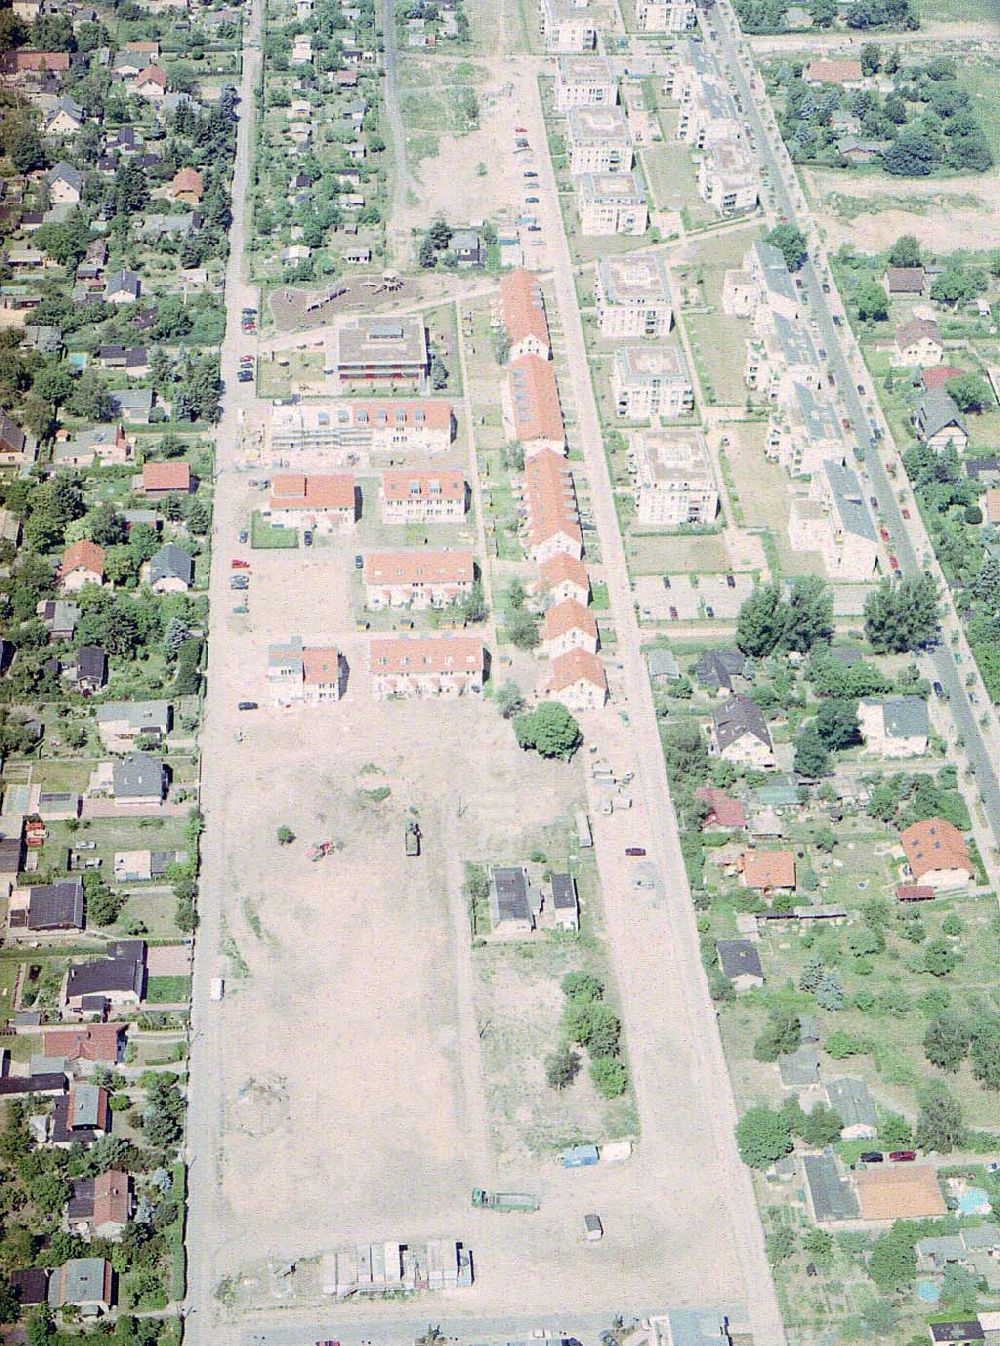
[834,520]
[648,381]
[611,203]
[599,140]
[727,179]
[585,81]
[423,497]
[781,357]
[665,16]
[417,578]
[567,26]
[761,289]
[804,431]
[633,296]
[333,430]
[674,484]
[303,676]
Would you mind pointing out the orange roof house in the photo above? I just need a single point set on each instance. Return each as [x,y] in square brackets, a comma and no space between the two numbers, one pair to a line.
[89,1042]
[569,625]
[186,186]
[82,563]
[767,870]
[151,79]
[165,478]
[578,680]
[333,493]
[936,853]
[833,72]
[522,312]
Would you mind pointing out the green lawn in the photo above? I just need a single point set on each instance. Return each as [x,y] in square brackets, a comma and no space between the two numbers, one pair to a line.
[264,537]
[168,990]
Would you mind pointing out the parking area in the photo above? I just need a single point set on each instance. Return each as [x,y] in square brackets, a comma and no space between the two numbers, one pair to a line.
[691,597]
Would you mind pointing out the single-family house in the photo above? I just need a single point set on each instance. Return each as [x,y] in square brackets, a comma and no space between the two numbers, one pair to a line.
[117,980]
[936,854]
[768,871]
[847,73]
[896,726]
[740,962]
[103,1042]
[568,626]
[578,680]
[562,576]
[723,810]
[187,186]
[938,421]
[48,908]
[510,901]
[65,119]
[904,280]
[86,1282]
[565,902]
[150,83]
[919,343]
[139,780]
[171,570]
[65,184]
[81,1116]
[82,563]
[91,669]
[120,723]
[853,1103]
[899,1192]
[122,287]
[100,1207]
[721,670]
[166,478]
[739,733]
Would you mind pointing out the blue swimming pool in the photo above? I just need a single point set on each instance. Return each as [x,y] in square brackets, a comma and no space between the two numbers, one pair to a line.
[928,1291]
[973,1200]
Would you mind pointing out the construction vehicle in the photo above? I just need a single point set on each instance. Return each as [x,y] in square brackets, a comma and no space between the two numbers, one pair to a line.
[504,1201]
[319,849]
[411,839]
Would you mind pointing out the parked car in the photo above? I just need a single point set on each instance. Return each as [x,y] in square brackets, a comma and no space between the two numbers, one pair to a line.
[239,582]
[873,502]
[861,389]
[938,690]
[531,200]
[883,533]
[307,537]
[666,581]
[902,1156]
[905,513]
[245,376]
[238,563]
[247,705]
[871,1156]
[709,611]
[731,581]
[635,851]
[673,614]
[893,562]
[359,562]
[244,535]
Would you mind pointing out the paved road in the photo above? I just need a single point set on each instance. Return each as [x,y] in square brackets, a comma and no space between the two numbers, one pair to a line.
[205,1092]
[909,540]
[725,1173]
[390,91]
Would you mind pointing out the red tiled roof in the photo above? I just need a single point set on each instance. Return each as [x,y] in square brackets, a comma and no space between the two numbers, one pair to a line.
[152,75]
[92,1042]
[400,484]
[170,476]
[418,565]
[833,72]
[562,567]
[939,376]
[429,654]
[549,497]
[724,811]
[434,412]
[534,397]
[575,666]
[768,869]
[294,490]
[522,307]
[187,180]
[566,616]
[934,844]
[83,555]
[320,665]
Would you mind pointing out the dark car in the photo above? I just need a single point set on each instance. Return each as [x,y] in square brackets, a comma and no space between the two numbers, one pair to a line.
[871,1157]
[635,851]
[826,287]
[938,689]
[247,705]
[666,581]
[709,611]
[359,562]
[731,581]
[902,1156]
[861,389]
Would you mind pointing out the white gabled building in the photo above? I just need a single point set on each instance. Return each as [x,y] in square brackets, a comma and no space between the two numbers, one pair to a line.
[298,675]
[567,26]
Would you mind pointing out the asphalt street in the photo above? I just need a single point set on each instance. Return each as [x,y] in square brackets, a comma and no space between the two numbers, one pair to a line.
[909,540]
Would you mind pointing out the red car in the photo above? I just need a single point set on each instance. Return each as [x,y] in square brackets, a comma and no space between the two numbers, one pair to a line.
[893,563]
[884,534]
[634,851]
[905,513]
[521,130]
[902,1156]
[673,614]
[237,564]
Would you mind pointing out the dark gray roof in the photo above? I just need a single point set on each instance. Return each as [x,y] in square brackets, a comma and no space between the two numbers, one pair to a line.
[139,776]
[938,410]
[509,895]
[799,1068]
[92,663]
[171,562]
[849,500]
[662,664]
[738,715]
[832,1197]
[30,1285]
[563,892]
[739,958]
[717,668]
[125,970]
[56,906]
[903,716]
[50,1083]
[958,1330]
[851,1099]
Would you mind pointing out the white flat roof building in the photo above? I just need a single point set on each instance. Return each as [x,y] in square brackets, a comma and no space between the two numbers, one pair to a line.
[633,296]
[665,16]
[567,27]
[648,381]
[674,483]
[585,81]
[611,203]
[727,179]
[599,140]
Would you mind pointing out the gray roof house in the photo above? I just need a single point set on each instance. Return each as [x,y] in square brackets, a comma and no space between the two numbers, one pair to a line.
[467,247]
[133,404]
[740,962]
[65,176]
[739,732]
[119,722]
[662,664]
[565,907]
[139,779]
[717,668]
[171,569]
[510,905]
[852,1100]
[51,907]
[800,1068]
[122,287]
[830,1196]
[939,422]
[121,977]
[86,1281]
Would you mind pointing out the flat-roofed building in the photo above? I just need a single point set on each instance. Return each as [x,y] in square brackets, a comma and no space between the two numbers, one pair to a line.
[322,502]
[530,401]
[340,427]
[648,381]
[423,497]
[727,178]
[674,485]
[599,140]
[567,26]
[417,578]
[381,350]
[633,296]
[522,315]
[665,16]
[426,666]
[585,81]
[611,203]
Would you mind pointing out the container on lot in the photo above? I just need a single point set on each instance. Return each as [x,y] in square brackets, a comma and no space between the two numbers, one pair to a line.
[593,1228]
[580,1156]
[614,1151]
[504,1201]
[583,832]
[217,988]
